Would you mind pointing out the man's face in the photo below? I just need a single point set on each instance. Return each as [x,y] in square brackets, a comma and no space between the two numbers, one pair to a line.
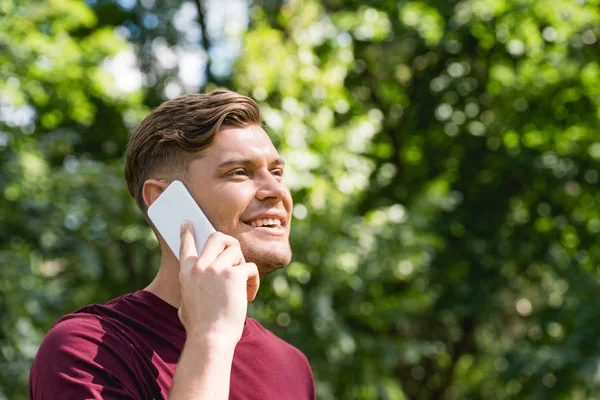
[238,184]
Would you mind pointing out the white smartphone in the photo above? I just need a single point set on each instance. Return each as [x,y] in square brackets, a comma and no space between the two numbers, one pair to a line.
[171,208]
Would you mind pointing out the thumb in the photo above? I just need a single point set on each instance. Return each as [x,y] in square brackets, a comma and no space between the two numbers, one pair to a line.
[187,250]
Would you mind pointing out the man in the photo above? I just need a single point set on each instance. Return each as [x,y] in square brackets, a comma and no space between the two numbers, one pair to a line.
[186,335]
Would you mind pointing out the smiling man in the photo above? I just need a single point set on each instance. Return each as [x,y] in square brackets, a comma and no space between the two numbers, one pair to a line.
[186,335]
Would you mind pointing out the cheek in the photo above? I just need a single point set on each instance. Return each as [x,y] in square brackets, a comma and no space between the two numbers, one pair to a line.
[231,204]
[229,212]
[218,210]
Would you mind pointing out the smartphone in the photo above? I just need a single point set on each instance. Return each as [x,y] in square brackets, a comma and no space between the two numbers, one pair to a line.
[171,208]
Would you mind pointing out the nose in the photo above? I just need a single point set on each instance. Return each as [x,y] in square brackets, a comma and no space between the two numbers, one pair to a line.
[271,188]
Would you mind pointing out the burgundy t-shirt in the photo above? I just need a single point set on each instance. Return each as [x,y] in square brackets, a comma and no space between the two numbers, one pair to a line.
[129,347]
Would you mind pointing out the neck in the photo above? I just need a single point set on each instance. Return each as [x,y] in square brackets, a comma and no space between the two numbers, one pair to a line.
[166,283]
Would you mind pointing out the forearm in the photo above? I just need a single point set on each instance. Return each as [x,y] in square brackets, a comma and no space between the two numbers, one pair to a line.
[203,371]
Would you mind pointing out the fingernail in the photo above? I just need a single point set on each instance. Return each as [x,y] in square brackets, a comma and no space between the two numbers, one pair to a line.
[184,225]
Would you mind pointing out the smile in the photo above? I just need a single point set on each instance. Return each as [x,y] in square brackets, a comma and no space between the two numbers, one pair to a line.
[266,222]
[269,226]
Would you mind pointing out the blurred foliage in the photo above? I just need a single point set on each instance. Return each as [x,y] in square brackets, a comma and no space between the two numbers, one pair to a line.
[444,158]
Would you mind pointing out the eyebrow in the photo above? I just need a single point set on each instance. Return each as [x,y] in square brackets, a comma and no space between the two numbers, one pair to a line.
[278,162]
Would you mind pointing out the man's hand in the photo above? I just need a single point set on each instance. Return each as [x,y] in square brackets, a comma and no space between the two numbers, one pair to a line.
[216,286]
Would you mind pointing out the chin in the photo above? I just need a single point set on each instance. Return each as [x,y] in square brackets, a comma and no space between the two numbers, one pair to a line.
[267,259]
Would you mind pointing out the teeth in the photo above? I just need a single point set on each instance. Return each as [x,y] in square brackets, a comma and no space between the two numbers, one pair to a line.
[265,221]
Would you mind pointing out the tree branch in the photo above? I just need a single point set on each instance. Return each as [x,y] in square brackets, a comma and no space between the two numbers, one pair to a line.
[210,78]
[462,347]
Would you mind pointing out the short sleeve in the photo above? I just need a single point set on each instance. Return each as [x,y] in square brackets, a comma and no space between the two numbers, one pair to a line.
[81,359]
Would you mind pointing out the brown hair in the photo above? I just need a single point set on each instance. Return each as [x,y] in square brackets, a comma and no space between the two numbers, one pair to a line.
[178,130]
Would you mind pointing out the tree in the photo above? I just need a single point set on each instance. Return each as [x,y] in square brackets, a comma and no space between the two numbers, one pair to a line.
[443,158]
[446,160]
[60,180]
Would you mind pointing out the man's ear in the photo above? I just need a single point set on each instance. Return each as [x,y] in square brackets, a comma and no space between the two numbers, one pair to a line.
[152,189]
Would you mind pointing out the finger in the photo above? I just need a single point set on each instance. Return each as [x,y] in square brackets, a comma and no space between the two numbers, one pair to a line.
[180,314]
[252,279]
[230,257]
[187,249]
[214,246]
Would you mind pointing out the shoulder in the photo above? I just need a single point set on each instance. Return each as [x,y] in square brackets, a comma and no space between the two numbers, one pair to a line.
[80,324]
[293,351]
[81,339]
[80,331]
[76,355]
[293,359]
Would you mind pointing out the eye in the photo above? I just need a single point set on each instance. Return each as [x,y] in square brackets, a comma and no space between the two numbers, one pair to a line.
[239,172]
[277,172]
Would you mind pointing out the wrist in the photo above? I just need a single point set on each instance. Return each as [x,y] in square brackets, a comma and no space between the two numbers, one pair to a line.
[211,341]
